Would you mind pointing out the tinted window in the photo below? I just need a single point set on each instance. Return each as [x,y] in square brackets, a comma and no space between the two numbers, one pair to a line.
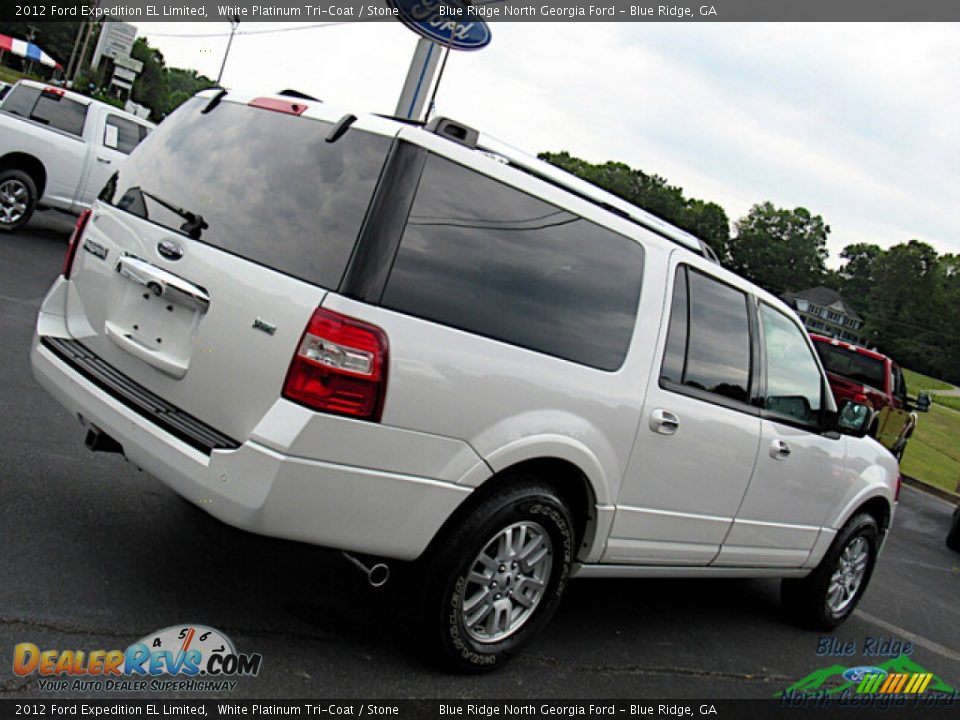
[481,256]
[267,185]
[676,353]
[60,112]
[850,364]
[794,383]
[709,320]
[128,134]
[21,99]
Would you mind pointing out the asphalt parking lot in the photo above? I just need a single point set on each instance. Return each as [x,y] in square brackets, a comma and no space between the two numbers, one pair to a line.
[94,554]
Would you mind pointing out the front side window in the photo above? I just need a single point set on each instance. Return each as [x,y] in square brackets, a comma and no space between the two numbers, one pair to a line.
[121,134]
[794,383]
[484,257]
[708,342]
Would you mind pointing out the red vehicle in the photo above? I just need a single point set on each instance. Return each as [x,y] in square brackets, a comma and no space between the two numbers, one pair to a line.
[869,377]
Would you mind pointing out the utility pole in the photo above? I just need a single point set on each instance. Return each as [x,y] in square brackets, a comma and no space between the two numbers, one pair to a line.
[234,24]
[73,53]
[30,38]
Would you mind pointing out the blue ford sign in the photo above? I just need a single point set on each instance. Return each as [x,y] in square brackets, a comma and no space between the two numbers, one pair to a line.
[446,22]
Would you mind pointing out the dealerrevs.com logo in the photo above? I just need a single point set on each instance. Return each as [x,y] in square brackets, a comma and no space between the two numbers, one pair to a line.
[177,658]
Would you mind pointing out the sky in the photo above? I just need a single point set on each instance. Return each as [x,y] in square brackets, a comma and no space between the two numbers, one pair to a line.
[859,123]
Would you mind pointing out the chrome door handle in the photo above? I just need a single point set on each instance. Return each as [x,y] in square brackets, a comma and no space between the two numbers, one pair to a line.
[163,283]
[103,160]
[664,422]
[779,450]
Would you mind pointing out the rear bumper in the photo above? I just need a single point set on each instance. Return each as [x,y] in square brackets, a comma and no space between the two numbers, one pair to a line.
[257,488]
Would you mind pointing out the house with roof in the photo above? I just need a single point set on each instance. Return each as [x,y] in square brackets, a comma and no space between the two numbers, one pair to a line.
[825,312]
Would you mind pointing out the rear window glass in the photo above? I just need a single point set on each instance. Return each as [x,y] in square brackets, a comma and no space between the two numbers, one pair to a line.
[20,100]
[60,113]
[55,111]
[484,257]
[260,184]
[850,364]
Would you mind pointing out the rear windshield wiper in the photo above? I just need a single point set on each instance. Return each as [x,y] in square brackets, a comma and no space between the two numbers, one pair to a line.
[194,225]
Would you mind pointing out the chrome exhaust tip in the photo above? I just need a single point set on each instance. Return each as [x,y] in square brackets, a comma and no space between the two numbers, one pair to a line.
[377,575]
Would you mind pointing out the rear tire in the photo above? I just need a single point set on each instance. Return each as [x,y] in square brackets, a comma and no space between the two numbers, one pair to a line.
[18,199]
[828,595]
[953,537]
[491,581]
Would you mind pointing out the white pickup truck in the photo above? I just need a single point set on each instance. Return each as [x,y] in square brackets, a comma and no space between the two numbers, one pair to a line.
[58,149]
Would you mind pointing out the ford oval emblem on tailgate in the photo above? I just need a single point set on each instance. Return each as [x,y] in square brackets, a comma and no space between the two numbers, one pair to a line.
[170,250]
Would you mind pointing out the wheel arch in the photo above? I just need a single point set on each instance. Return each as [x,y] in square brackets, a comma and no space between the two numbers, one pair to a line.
[565,476]
[28,164]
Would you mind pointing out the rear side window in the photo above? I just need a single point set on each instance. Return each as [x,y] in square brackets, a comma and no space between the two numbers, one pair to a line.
[484,257]
[708,341]
[48,108]
[121,134]
[260,184]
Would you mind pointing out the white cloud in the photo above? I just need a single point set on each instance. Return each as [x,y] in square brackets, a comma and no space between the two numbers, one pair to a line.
[855,122]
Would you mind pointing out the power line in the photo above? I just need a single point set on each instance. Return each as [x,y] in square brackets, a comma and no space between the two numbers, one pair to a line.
[252,32]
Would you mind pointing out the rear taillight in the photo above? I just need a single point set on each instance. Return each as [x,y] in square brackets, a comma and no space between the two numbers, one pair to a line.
[340,367]
[896,494]
[75,242]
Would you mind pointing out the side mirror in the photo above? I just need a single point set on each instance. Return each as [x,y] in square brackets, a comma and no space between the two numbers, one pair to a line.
[923,402]
[853,418]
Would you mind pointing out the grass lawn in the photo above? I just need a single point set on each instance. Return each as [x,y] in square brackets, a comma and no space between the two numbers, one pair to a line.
[8,75]
[950,402]
[917,383]
[933,453]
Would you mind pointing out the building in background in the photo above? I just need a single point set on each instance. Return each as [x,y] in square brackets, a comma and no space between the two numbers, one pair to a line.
[825,312]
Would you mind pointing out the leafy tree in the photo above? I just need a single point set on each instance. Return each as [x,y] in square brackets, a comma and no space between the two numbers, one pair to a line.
[856,274]
[780,249]
[706,220]
[905,316]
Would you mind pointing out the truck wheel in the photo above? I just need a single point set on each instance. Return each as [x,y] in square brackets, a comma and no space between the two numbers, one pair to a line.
[953,537]
[827,596]
[18,199]
[491,582]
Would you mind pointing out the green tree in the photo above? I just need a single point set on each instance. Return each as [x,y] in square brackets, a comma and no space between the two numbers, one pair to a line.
[856,273]
[150,88]
[705,220]
[780,249]
[905,314]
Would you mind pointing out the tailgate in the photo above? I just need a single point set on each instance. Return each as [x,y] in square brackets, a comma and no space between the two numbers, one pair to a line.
[212,247]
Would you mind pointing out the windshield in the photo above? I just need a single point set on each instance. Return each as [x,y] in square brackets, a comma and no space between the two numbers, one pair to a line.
[852,365]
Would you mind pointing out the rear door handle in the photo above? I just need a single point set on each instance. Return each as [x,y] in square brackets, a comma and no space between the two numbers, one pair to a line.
[664,422]
[164,283]
[779,450]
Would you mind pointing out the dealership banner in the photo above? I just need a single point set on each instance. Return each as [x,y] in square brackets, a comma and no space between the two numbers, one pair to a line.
[465,11]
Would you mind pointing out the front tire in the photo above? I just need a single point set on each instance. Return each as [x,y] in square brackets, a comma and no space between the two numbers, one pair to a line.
[492,581]
[18,199]
[828,595]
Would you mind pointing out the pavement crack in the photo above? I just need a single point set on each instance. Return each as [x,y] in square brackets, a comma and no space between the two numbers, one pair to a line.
[659,670]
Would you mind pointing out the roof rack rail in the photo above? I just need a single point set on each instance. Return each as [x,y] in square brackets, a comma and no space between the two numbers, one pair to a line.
[594,195]
[297,94]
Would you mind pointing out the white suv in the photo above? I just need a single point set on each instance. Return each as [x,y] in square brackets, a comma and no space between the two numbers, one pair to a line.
[417,344]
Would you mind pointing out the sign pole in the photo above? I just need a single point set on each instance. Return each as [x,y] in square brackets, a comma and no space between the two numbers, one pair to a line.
[420,78]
